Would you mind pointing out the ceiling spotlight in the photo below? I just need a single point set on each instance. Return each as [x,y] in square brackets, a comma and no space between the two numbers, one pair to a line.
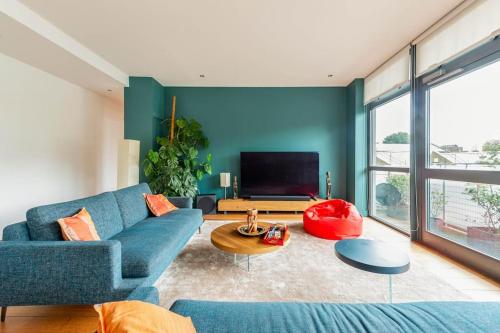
[202,76]
[330,75]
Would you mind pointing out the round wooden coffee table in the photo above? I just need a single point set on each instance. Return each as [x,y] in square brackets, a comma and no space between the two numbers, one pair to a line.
[228,239]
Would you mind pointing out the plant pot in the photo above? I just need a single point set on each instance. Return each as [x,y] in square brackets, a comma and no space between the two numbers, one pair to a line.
[399,212]
[439,223]
[483,233]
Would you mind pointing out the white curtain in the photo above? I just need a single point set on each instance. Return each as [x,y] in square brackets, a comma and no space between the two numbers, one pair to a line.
[392,74]
[476,24]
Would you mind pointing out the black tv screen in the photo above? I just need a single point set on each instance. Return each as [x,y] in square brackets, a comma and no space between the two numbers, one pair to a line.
[279,173]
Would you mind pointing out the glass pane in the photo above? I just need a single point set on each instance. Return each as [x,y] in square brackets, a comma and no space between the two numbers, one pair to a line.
[391,198]
[392,133]
[466,213]
[464,118]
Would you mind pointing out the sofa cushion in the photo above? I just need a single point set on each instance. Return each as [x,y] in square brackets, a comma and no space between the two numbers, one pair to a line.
[132,204]
[323,317]
[42,221]
[152,244]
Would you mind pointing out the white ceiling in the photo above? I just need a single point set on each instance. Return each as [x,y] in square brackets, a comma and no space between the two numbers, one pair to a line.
[244,43]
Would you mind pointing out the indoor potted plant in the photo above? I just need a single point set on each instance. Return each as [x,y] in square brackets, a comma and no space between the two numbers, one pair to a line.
[175,168]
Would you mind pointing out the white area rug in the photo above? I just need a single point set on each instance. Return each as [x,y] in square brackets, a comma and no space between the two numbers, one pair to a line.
[306,270]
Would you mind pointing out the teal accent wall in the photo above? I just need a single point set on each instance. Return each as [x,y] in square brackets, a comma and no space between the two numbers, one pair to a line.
[145,109]
[357,147]
[268,119]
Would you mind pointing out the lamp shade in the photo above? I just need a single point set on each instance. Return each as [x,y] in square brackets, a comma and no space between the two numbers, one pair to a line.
[225,179]
[128,163]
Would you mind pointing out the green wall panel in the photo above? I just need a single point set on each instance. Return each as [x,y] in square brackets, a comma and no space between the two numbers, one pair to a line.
[268,119]
[357,147]
[145,108]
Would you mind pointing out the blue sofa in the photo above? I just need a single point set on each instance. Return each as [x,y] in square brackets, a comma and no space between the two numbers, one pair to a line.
[255,317]
[38,267]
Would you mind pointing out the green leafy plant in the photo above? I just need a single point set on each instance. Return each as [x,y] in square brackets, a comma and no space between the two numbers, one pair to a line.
[175,168]
[438,200]
[399,137]
[488,198]
[402,184]
[492,153]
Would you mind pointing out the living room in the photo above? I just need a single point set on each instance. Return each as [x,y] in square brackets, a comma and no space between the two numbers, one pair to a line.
[306,166]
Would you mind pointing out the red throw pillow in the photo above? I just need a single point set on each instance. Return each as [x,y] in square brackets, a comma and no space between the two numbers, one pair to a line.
[158,204]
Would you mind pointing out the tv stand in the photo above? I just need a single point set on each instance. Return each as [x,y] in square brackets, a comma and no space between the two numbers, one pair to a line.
[242,205]
[280,198]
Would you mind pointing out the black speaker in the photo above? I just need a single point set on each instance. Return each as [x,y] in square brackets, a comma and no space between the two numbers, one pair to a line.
[207,203]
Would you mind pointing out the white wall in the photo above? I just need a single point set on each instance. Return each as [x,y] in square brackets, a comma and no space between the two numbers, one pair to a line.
[58,141]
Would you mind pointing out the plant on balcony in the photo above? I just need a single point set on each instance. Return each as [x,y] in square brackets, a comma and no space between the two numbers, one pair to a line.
[438,200]
[488,198]
[175,168]
[402,183]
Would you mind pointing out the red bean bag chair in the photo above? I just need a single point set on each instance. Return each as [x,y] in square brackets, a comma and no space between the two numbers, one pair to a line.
[333,219]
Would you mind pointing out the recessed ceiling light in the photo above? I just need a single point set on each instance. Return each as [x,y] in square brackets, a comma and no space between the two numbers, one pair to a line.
[330,75]
[202,76]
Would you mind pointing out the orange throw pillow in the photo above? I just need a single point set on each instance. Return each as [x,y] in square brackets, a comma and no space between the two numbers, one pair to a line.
[158,204]
[78,227]
[140,317]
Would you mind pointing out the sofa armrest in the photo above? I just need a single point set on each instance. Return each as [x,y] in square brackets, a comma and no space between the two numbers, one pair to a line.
[181,202]
[51,272]
[16,232]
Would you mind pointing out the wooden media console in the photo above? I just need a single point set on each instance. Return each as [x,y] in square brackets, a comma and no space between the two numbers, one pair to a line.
[242,205]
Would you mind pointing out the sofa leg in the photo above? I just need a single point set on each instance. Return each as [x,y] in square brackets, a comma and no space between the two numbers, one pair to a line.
[4,313]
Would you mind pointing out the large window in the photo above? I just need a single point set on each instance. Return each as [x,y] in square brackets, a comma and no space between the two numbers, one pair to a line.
[390,162]
[434,164]
[461,164]
[464,121]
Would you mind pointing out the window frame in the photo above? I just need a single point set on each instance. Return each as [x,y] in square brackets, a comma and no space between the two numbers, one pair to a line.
[372,167]
[481,56]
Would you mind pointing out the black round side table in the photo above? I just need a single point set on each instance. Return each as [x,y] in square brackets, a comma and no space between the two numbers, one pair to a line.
[373,256]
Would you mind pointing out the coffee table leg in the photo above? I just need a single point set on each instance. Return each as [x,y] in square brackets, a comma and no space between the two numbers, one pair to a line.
[234,261]
[248,263]
[390,288]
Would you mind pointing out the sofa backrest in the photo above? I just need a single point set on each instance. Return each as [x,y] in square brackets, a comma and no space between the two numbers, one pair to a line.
[132,204]
[103,208]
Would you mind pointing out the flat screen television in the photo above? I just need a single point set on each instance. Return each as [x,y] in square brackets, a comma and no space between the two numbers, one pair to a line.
[279,173]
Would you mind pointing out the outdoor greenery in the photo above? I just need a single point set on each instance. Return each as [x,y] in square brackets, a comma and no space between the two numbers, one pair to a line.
[399,137]
[492,150]
[174,169]
[488,198]
[402,184]
[438,200]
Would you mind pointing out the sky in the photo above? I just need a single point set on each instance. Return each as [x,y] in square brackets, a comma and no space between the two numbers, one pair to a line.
[464,111]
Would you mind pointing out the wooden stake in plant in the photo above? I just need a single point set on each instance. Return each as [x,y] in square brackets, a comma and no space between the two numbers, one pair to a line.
[172,120]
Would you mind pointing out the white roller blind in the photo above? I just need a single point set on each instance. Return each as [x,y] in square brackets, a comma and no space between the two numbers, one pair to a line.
[394,73]
[475,24]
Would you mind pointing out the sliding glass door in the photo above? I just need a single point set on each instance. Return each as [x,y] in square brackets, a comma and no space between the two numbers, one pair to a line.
[390,161]
[460,159]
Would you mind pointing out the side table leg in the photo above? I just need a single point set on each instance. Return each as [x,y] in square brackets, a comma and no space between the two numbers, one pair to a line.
[390,288]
